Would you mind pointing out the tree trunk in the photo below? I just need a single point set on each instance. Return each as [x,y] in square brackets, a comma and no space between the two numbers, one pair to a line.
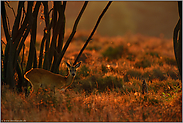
[177,40]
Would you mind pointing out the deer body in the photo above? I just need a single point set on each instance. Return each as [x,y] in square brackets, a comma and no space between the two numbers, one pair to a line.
[41,77]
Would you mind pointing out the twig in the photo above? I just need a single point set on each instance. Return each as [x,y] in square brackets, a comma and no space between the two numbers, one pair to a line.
[96,25]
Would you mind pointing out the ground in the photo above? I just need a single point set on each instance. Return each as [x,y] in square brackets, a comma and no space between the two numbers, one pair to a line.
[108,84]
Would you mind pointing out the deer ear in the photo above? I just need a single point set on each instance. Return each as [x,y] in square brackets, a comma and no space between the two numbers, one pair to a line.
[68,65]
[78,64]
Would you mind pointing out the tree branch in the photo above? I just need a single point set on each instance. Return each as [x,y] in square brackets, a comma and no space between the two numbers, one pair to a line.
[96,25]
[57,62]
[5,27]
[17,19]
[32,49]
[27,20]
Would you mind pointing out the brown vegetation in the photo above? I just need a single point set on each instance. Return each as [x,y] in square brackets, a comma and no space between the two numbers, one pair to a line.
[108,87]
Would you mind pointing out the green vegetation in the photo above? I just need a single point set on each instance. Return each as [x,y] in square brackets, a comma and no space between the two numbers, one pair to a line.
[170,61]
[115,53]
[153,54]
[96,48]
[131,57]
[143,63]
[132,74]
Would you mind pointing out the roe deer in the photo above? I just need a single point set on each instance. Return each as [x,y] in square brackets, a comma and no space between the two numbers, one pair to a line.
[41,77]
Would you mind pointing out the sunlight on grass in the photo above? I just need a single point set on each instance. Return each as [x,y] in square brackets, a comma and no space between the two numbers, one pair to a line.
[108,85]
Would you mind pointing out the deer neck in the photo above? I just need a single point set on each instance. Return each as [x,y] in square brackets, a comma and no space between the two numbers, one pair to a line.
[69,80]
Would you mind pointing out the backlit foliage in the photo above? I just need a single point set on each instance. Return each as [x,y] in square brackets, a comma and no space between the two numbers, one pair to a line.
[108,85]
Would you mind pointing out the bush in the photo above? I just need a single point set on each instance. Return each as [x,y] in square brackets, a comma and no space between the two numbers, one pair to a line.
[173,74]
[104,69]
[153,54]
[147,74]
[96,48]
[143,63]
[160,62]
[100,83]
[88,84]
[84,71]
[154,101]
[115,53]
[132,74]
[170,61]
[131,57]
[134,86]
[158,74]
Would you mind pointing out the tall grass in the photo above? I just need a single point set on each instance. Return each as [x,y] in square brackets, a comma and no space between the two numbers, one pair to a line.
[108,86]
[104,106]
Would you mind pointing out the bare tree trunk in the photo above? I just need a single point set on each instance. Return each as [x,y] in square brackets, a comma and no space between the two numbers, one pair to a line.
[17,20]
[8,60]
[7,35]
[61,30]
[33,37]
[177,40]
[46,36]
[32,51]
[25,22]
[57,62]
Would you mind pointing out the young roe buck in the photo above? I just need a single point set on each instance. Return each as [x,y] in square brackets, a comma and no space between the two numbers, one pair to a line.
[44,78]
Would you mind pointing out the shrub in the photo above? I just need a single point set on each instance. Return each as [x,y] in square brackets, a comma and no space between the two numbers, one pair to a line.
[131,57]
[153,54]
[132,74]
[87,85]
[147,74]
[154,101]
[143,63]
[160,62]
[133,86]
[84,71]
[170,61]
[104,69]
[173,74]
[115,53]
[109,82]
[96,48]
[46,98]
[100,83]
[158,74]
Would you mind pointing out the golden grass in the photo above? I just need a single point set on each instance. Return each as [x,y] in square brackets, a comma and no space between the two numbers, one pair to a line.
[122,102]
[106,106]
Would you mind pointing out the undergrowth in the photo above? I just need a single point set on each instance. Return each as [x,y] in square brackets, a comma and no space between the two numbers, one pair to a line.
[125,105]
[107,87]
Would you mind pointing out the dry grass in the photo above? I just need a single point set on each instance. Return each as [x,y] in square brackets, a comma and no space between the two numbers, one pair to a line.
[108,87]
[105,106]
